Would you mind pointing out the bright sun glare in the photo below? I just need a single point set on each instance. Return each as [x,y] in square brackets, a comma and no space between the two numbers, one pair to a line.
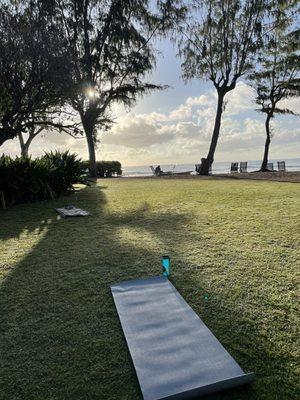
[91,93]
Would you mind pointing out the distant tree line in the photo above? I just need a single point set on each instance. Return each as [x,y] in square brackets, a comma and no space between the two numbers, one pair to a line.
[65,64]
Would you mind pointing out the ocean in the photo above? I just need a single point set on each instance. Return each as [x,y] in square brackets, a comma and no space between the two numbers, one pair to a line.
[292,164]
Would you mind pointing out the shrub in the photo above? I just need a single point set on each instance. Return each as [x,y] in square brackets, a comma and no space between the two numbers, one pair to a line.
[66,169]
[26,180]
[106,169]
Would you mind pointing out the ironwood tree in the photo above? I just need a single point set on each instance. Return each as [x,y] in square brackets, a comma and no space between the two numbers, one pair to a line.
[25,142]
[277,74]
[32,70]
[109,45]
[218,44]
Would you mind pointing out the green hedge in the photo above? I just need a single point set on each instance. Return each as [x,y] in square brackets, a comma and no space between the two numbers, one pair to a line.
[106,169]
[25,180]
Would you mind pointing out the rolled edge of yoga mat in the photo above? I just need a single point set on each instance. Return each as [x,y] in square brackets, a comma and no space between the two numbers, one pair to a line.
[213,388]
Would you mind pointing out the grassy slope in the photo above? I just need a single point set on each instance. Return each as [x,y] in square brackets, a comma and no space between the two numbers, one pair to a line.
[236,241]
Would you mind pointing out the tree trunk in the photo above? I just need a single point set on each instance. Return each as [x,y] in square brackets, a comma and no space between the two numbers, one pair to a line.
[207,162]
[25,145]
[24,148]
[263,167]
[24,151]
[91,148]
[2,199]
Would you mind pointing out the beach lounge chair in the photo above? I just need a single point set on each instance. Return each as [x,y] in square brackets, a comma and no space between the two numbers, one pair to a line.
[281,166]
[243,166]
[153,170]
[158,171]
[270,166]
[234,167]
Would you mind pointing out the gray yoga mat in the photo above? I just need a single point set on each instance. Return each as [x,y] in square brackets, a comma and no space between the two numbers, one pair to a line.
[174,354]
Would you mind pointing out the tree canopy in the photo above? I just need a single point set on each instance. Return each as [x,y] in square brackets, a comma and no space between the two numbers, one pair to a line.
[219,44]
[110,53]
[32,70]
[277,72]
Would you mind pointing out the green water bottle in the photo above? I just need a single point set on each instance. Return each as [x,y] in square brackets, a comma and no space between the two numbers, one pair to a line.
[165,262]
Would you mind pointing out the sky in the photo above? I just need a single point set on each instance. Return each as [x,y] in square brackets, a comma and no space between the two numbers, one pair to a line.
[174,126]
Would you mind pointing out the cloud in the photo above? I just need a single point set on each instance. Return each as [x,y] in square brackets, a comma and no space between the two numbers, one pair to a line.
[46,142]
[183,133]
[292,103]
[137,131]
[203,100]
[240,100]
[184,111]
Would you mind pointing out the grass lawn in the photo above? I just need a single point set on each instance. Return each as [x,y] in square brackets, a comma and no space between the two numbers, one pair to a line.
[235,241]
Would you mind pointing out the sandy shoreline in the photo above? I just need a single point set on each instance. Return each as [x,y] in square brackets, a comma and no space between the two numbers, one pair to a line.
[292,177]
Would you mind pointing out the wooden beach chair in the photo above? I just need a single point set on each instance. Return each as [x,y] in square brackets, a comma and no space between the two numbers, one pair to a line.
[243,166]
[270,166]
[281,166]
[153,170]
[161,173]
[234,167]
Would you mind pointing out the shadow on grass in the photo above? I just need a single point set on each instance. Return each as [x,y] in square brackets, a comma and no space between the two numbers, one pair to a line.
[60,336]
[36,217]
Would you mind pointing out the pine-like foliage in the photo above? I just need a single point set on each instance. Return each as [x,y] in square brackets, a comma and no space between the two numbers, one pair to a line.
[109,52]
[277,74]
[219,45]
[32,68]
